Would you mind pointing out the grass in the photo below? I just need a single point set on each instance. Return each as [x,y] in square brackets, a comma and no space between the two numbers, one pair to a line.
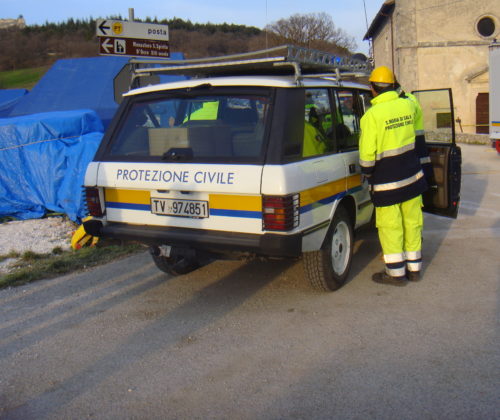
[11,254]
[31,266]
[18,79]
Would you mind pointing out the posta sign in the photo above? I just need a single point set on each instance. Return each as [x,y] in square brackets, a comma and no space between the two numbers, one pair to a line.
[128,29]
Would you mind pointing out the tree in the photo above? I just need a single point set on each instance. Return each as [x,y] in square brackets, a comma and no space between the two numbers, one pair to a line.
[313,30]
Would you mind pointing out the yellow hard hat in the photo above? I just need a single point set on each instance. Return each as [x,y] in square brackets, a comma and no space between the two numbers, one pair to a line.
[81,238]
[382,74]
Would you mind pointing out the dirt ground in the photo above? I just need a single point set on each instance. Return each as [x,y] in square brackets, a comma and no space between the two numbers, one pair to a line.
[37,235]
[252,340]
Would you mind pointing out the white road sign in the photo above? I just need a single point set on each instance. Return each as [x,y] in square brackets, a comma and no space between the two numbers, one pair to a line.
[127,29]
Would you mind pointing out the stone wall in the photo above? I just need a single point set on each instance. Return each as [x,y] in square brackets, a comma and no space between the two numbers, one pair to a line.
[472,138]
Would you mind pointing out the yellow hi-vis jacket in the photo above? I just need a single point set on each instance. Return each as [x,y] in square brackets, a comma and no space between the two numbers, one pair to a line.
[314,143]
[207,112]
[387,150]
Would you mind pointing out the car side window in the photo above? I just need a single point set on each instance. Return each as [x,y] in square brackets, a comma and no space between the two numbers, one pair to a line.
[318,137]
[365,99]
[349,109]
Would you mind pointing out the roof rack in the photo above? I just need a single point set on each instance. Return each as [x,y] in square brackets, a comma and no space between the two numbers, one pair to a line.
[285,59]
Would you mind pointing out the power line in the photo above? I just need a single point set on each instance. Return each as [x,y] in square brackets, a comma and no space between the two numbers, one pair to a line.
[369,39]
[366,16]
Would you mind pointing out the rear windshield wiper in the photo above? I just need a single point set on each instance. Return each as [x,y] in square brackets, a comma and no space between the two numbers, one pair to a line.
[178,153]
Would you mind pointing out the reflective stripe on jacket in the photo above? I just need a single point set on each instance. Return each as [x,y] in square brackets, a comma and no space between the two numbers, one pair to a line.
[387,150]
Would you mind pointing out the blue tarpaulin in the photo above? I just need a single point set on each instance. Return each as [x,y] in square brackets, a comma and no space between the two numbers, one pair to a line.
[43,158]
[53,133]
[79,83]
[72,84]
[9,98]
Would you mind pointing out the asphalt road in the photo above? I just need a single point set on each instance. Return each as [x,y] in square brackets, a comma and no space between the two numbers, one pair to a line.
[238,340]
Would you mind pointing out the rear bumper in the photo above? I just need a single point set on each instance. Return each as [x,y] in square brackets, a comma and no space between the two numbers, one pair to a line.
[268,244]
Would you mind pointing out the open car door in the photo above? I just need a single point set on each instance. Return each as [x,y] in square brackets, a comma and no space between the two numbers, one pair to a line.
[439,123]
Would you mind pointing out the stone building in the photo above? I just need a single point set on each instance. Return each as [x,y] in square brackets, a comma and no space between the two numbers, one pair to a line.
[13,23]
[440,43]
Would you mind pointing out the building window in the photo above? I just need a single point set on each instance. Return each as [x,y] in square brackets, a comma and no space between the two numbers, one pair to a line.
[486,26]
[443,119]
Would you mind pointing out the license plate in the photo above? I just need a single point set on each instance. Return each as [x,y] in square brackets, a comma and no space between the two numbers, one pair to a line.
[175,207]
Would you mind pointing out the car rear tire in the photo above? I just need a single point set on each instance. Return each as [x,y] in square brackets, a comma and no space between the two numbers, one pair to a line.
[327,269]
[175,266]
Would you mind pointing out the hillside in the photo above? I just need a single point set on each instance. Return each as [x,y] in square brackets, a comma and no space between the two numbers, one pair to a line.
[41,45]
[25,78]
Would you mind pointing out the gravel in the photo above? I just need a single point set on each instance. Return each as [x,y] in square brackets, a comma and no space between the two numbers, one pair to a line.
[38,235]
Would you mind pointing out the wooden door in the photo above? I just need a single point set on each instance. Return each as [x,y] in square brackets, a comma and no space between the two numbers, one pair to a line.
[482,113]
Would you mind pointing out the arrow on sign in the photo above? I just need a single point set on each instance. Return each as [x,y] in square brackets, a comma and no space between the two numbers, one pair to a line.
[102,27]
[105,45]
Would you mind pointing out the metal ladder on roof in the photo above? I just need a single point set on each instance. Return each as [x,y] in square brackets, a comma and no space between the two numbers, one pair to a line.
[284,59]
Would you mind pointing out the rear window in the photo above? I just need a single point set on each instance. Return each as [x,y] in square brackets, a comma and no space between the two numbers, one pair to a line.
[190,126]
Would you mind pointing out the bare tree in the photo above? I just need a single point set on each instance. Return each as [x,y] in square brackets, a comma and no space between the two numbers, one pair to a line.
[313,30]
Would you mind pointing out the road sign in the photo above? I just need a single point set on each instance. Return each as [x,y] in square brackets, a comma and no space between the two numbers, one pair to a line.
[134,47]
[128,29]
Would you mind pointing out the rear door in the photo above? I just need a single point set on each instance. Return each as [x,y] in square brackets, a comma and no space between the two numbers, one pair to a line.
[439,123]
[187,159]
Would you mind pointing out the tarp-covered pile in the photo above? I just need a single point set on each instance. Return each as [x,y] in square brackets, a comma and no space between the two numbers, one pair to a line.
[8,99]
[49,135]
[78,83]
[42,162]
[72,84]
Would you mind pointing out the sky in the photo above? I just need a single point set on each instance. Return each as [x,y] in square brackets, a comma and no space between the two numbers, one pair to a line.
[348,15]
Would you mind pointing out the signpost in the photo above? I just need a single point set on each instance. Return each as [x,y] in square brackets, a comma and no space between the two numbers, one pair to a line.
[132,39]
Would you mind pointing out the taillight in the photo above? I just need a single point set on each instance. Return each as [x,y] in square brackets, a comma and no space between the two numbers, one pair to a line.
[280,212]
[93,201]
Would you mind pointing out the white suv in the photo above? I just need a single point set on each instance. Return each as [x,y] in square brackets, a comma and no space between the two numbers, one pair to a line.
[253,159]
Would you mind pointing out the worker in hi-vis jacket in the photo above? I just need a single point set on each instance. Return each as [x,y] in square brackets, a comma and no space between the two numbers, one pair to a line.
[389,161]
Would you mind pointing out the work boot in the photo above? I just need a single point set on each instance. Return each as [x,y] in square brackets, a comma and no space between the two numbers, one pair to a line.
[385,278]
[413,275]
